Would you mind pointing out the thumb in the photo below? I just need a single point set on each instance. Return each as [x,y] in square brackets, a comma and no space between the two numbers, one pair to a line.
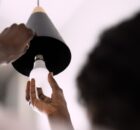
[53,83]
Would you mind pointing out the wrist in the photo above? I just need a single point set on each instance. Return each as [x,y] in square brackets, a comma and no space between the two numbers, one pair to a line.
[3,56]
[60,121]
[6,55]
[61,124]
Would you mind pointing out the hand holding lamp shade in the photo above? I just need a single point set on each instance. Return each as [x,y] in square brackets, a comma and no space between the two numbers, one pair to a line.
[47,43]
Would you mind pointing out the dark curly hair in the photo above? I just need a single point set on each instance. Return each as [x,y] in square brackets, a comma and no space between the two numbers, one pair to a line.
[110,80]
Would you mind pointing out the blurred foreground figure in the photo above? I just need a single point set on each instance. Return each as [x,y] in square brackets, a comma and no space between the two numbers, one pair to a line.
[110,80]
[108,83]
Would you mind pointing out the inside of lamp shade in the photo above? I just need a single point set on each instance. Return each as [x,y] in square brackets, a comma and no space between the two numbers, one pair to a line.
[56,55]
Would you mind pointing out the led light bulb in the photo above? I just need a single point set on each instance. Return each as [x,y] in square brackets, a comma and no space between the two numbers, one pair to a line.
[40,74]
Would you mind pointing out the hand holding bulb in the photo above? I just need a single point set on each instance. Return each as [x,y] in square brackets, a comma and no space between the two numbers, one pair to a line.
[55,107]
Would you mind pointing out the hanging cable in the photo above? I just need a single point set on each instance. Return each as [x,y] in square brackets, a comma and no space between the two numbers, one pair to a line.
[38,3]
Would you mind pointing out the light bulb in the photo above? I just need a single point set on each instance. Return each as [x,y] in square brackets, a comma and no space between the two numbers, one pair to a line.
[40,74]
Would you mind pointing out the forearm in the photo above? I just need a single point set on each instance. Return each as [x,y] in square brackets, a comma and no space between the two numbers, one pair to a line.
[62,122]
[3,56]
[7,52]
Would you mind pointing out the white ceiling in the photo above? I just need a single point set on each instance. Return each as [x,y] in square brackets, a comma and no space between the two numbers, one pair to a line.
[79,22]
[19,10]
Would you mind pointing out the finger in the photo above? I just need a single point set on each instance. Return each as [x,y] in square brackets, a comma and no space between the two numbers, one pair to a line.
[22,25]
[27,34]
[8,30]
[40,94]
[42,97]
[33,93]
[25,49]
[5,31]
[29,37]
[12,30]
[53,83]
[28,91]
[25,29]
[26,37]
[13,26]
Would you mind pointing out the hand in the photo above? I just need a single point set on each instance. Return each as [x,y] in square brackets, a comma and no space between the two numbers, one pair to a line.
[55,107]
[14,41]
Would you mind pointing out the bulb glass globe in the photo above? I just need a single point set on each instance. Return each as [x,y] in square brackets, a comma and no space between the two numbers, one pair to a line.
[40,74]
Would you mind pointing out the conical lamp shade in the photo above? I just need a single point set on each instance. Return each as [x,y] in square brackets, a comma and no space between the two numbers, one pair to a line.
[47,42]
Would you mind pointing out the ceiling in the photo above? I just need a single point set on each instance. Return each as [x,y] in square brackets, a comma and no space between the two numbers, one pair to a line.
[60,11]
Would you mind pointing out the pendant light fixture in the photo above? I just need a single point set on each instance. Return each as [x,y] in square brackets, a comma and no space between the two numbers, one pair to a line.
[48,43]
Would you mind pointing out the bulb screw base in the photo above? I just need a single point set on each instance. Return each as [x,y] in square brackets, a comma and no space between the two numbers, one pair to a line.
[39,57]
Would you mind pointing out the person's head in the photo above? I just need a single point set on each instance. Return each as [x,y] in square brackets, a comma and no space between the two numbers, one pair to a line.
[110,80]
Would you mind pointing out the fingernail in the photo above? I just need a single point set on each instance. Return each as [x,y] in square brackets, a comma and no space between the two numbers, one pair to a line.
[28,82]
[32,79]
